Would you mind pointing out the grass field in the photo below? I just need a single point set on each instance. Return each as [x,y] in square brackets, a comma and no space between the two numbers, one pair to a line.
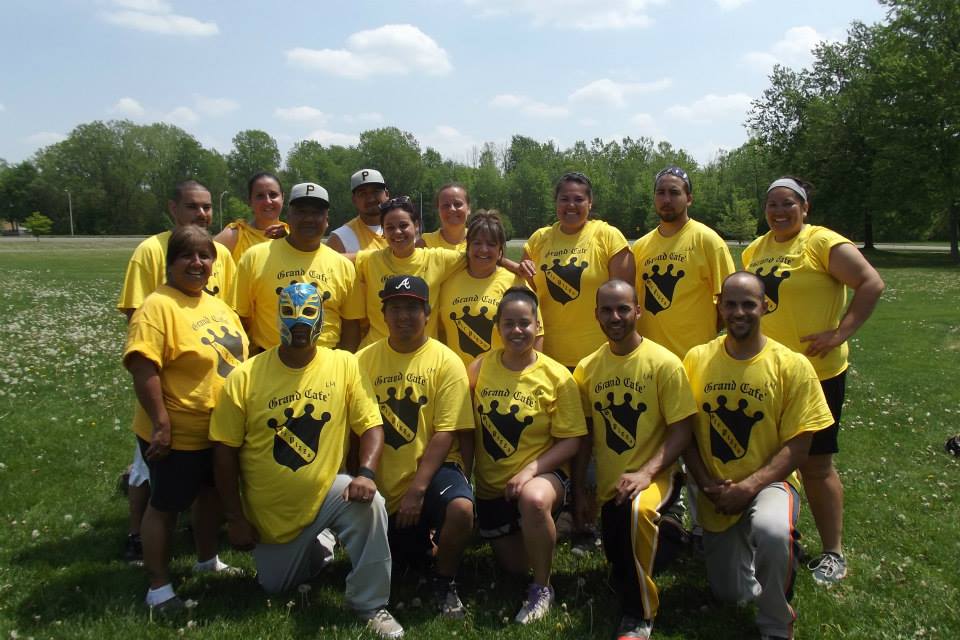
[65,407]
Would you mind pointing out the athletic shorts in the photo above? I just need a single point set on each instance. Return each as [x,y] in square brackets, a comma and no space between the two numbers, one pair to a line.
[498,517]
[176,480]
[825,441]
[415,542]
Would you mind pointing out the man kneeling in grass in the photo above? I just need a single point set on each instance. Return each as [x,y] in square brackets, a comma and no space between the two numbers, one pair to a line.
[280,428]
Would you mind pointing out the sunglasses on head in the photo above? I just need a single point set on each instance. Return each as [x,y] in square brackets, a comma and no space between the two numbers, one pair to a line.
[400,202]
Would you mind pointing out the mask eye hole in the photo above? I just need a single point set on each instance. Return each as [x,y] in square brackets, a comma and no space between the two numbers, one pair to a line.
[286,310]
[309,312]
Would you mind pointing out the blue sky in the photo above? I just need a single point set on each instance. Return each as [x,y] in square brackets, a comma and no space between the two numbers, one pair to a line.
[455,73]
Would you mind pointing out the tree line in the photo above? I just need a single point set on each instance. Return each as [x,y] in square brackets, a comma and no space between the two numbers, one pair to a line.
[874,123]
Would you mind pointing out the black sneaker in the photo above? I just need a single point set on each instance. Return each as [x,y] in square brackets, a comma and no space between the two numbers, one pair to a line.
[133,551]
[952,446]
[447,599]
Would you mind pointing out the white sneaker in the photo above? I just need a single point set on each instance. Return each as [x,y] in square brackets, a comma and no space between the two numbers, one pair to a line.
[382,623]
[537,604]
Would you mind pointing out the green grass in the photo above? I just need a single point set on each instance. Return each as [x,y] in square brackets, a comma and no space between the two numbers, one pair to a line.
[65,407]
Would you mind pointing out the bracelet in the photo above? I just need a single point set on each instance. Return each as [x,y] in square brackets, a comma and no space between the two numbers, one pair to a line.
[366,472]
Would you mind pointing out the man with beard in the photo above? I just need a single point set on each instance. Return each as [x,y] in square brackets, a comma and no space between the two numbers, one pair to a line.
[640,411]
[369,190]
[279,430]
[191,204]
[760,404]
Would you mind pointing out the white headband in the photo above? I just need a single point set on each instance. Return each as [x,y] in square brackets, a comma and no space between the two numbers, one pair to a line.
[789,183]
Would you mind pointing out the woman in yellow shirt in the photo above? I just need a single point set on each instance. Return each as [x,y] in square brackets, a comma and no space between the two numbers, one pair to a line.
[469,299]
[571,259]
[181,344]
[806,270]
[265,196]
[453,206]
[529,426]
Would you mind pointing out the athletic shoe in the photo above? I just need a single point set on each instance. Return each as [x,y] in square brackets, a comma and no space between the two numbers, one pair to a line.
[633,628]
[828,569]
[171,609]
[952,446]
[382,623]
[133,551]
[447,599]
[221,569]
[537,604]
[584,542]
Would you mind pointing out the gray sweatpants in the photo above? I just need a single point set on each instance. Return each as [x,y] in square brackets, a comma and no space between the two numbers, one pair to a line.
[362,529]
[755,559]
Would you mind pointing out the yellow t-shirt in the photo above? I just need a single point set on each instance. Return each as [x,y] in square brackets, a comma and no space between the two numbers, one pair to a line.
[248,236]
[678,279]
[374,267]
[147,270]
[419,394]
[749,409]
[466,309]
[570,268]
[520,415]
[802,297]
[269,267]
[632,398]
[436,239]
[291,428]
[195,342]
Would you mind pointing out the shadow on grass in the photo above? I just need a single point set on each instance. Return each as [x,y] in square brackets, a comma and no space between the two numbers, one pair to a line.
[909,259]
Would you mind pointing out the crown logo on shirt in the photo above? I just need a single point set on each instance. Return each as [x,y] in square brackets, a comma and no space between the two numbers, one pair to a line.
[730,429]
[660,288]
[295,441]
[620,421]
[501,432]
[771,284]
[229,348]
[214,291]
[474,332]
[401,416]
[563,280]
[324,295]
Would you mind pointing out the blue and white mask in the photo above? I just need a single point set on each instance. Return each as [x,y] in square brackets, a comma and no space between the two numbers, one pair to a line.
[300,303]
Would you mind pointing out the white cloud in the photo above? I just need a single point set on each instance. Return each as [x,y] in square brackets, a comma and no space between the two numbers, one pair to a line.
[449,141]
[615,94]
[44,138]
[128,108]
[216,106]
[330,138]
[794,49]
[182,116]
[156,16]
[584,15]
[643,124]
[528,106]
[393,49]
[302,113]
[711,108]
[730,5]
[588,122]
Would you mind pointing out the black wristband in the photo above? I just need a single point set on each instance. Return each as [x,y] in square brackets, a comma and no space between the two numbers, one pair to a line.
[366,472]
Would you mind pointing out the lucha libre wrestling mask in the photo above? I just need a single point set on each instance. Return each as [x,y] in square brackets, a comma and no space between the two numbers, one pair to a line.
[300,303]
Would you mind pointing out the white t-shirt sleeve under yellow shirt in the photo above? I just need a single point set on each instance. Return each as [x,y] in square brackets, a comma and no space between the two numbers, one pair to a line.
[195,342]
[290,426]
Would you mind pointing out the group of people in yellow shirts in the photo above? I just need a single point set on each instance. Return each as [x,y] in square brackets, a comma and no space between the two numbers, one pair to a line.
[589,374]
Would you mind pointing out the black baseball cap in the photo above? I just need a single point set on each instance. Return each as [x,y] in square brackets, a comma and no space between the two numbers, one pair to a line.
[405,286]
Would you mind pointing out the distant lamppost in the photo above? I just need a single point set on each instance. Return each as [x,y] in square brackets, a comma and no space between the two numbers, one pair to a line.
[221,208]
[70,206]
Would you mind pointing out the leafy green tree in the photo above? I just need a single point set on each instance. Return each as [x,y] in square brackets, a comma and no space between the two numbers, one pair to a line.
[253,151]
[396,154]
[17,191]
[39,224]
[738,222]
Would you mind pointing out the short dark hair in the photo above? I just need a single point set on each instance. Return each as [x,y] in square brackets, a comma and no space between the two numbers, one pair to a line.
[749,275]
[404,203]
[186,185]
[677,172]
[188,237]
[513,294]
[486,222]
[451,185]
[616,282]
[257,176]
[576,177]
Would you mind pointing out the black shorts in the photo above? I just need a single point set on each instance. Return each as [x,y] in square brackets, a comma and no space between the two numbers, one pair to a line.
[176,480]
[825,441]
[413,543]
[498,517]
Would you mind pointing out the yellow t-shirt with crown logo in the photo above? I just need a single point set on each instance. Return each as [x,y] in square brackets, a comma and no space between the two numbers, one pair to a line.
[631,400]
[269,267]
[570,268]
[419,394]
[802,297]
[291,428]
[519,416]
[195,342]
[678,279]
[436,239]
[248,236]
[748,410]
[374,267]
